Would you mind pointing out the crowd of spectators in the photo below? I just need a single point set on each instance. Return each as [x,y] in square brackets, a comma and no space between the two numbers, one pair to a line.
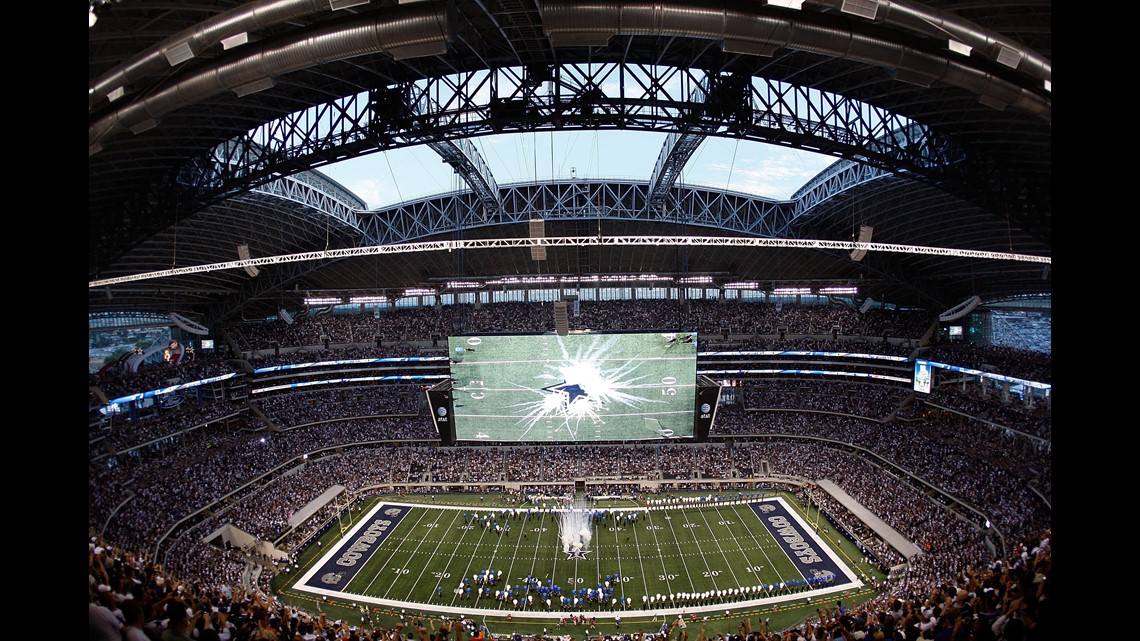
[708,318]
[116,382]
[871,400]
[121,434]
[911,325]
[840,344]
[291,409]
[164,481]
[1009,361]
[387,349]
[986,404]
[953,550]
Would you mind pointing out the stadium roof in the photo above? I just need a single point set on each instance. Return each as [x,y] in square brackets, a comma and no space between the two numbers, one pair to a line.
[207,119]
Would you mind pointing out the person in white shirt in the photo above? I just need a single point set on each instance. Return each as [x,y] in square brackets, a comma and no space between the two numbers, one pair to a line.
[102,622]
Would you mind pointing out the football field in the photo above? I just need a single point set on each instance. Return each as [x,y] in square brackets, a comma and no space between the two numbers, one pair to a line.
[573,388]
[681,558]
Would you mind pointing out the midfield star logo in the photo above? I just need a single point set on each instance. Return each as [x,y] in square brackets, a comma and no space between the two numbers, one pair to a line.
[577,554]
[572,390]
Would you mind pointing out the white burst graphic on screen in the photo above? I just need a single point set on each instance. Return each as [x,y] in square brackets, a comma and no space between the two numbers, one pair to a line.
[581,386]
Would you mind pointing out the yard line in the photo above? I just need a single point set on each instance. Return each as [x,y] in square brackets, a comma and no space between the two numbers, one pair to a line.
[649,413]
[759,544]
[458,543]
[471,558]
[700,548]
[534,558]
[681,553]
[494,553]
[661,556]
[719,547]
[554,566]
[637,545]
[367,589]
[438,542]
[514,557]
[620,587]
[532,361]
[598,554]
[617,556]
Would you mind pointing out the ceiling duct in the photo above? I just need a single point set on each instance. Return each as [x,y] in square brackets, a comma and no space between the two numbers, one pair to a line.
[404,31]
[252,16]
[564,21]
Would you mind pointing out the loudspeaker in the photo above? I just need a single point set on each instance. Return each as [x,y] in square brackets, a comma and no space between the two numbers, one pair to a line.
[561,322]
[864,237]
[243,254]
[538,230]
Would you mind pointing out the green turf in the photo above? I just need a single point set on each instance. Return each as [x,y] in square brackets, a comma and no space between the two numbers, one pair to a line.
[694,550]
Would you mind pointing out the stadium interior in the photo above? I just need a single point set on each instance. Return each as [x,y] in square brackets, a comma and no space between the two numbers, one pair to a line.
[270,357]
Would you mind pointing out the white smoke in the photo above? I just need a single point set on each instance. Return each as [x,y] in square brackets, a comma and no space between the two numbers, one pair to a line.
[574,529]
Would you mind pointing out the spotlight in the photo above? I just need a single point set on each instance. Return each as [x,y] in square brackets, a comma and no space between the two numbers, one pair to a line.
[91,17]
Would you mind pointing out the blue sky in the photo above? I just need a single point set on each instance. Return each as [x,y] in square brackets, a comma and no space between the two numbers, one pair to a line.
[771,171]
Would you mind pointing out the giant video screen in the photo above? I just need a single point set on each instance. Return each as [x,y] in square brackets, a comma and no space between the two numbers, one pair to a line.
[574,388]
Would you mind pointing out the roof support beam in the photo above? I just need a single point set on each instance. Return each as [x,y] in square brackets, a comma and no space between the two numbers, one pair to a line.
[675,153]
[463,157]
[466,160]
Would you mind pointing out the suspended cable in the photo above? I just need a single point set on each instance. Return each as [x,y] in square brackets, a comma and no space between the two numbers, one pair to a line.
[732,164]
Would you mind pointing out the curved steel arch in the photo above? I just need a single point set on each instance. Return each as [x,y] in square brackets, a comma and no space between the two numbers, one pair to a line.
[142,186]
[612,96]
[317,191]
[611,199]
[577,199]
[580,96]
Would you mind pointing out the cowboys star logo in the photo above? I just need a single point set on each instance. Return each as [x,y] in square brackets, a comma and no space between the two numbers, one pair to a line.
[766,508]
[332,578]
[573,391]
[577,554]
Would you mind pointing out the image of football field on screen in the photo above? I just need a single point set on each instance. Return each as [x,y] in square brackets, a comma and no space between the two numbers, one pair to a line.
[578,387]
